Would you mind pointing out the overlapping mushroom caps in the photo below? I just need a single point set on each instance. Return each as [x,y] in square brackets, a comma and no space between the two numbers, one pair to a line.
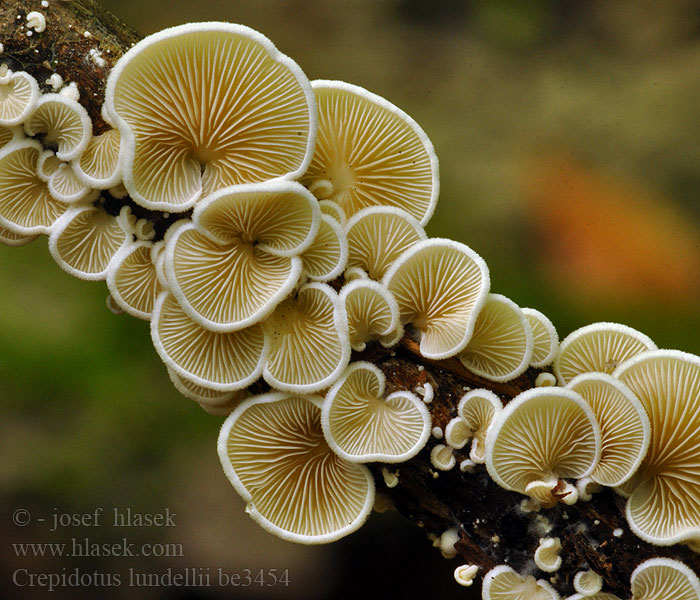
[362,425]
[545,339]
[100,164]
[369,152]
[476,411]
[273,451]
[326,257]
[664,496]
[664,579]
[214,402]
[372,314]
[203,106]
[503,583]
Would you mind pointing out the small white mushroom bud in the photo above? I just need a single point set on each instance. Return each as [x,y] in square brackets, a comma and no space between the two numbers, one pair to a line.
[465,574]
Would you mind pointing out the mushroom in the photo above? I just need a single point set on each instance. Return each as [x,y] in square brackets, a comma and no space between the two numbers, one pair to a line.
[19,93]
[362,425]
[203,106]
[309,346]
[442,457]
[369,152]
[544,337]
[212,401]
[588,583]
[440,287]
[377,236]
[100,164]
[238,258]
[372,314]
[326,257]
[464,574]
[664,496]
[500,348]
[274,454]
[598,347]
[9,134]
[542,436]
[664,579]
[503,583]
[330,208]
[547,556]
[218,361]
[10,238]
[624,425]
[477,410]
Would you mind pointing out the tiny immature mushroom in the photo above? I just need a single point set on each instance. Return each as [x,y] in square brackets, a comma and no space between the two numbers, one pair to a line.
[588,583]
[477,410]
[503,583]
[545,379]
[36,21]
[391,478]
[465,574]
[442,457]
[664,579]
[372,314]
[446,542]
[544,337]
[547,556]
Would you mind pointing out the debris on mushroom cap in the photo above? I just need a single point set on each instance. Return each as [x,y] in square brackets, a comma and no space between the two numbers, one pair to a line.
[378,235]
[203,106]
[588,583]
[664,579]
[238,259]
[26,206]
[372,314]
[544,337]
[99,166]
[207,398]
[440,287]
[664,503]
[326,257]
[477,410]
[84,241]
[132,279]
[503,583]
[273,451]
[598,347]
[465,574]
[330,208]
[624,425]
[64,123]
[19,93]
[309,346]
[542,435]
[500,348]
[218,361]
[547,555]
[371,153]
[10,238]
[361,425]
[442,457]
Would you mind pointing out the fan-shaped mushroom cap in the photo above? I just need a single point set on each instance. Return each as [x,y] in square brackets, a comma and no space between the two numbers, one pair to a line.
[598,347]
[309,341]
[664,579]
[10,238]
[204,106]
[378,235]
[132,279]
[330,208]
[84,241]
[624,426]
[273,451]
[503,583]
[541,436]
[501,345]
[442,457]
[326,257]
[26,206]
[100,164]
[372,314]
[664,506]
[361,425]
[64,186]
[544,338]
[547,556]
[477,410]
[369,152]
[221,403]
[19,93]
[588,583]
[440,287]
[64,123]
[239,257]
[10,134]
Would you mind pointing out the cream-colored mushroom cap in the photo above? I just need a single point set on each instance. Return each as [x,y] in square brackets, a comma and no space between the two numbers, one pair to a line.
[477,410]
[362,425]
[501,345]
[372,314]
[100,164]
[664,505]
[9,134]
[84,241]
[440,286]
[542,435]
[624,425]
[132,279]
[239,258]
[218,361]
[273,451]
[10,238]
[588,583]
[545,339]
[503,583]
[598,596]
[26,206]
[326,257]
[377,236]
[203,106]
[330,208]
[213,401]
[664,579]
[64,123]
[442,457]
[598,347]
[369,152]
[309,346]
[19,93]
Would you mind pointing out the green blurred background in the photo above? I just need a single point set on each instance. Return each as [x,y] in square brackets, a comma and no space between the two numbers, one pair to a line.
[567,134]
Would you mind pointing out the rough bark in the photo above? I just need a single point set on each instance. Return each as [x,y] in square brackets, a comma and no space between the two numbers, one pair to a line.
[493,529]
